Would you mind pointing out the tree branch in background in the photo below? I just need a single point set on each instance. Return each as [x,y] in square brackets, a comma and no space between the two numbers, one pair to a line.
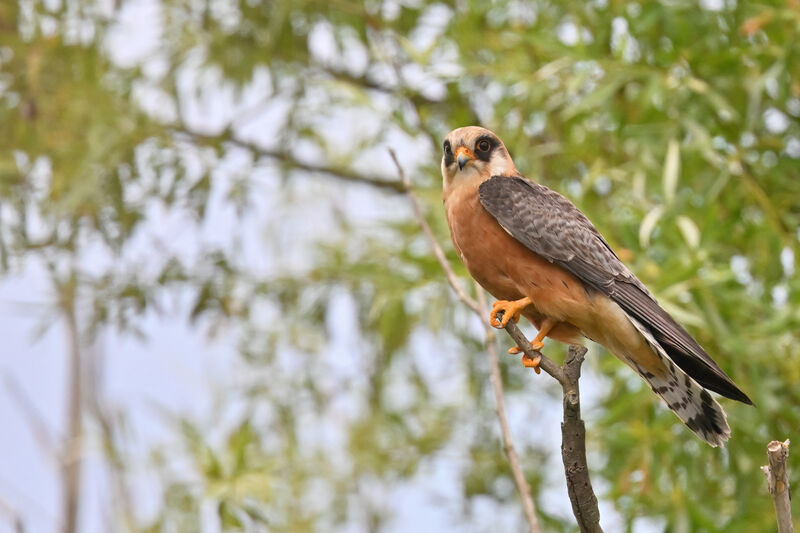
[284,156]
[573,431]
[508,441]
[109,433]
[778,483]
[38,427]
[71,465]
[497,383]
[13,517]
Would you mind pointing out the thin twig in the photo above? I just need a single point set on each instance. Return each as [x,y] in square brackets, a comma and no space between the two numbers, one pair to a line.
[497,383]
[778,483]
[573,431]
[452,279]
[36,422]
[13,517]
[120,495]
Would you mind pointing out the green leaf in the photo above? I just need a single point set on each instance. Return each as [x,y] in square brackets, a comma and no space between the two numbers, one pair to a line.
[672,166]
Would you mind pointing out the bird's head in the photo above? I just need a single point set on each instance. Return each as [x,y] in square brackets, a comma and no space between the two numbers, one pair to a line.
[472,152]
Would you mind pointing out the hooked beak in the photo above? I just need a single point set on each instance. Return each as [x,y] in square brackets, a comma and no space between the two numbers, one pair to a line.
[463,156]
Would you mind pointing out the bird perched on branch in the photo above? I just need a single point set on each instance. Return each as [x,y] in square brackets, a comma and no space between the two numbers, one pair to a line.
[543,259]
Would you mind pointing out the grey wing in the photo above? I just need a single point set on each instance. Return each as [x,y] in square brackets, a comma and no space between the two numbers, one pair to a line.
[551,226]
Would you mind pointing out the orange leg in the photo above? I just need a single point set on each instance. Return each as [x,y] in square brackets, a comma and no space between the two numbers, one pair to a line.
[536,344]
[510,309]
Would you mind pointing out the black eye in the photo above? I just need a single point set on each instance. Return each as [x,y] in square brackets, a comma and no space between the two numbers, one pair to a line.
[483,145]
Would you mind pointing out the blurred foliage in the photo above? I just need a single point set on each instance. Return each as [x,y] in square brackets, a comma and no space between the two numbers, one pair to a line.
[674,125]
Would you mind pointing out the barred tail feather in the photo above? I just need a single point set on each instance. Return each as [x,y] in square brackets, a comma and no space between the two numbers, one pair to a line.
[683,395]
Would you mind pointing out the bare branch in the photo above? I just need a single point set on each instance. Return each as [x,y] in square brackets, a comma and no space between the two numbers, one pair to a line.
[778,483]
[573,446]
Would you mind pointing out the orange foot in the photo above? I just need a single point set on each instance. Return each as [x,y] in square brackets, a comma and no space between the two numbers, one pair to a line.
[510,310]
[535,344]
[527,362]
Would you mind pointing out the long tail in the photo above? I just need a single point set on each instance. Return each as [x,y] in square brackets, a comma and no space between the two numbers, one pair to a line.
[692,403]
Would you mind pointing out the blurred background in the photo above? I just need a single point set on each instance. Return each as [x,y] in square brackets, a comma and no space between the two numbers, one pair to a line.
[218,312]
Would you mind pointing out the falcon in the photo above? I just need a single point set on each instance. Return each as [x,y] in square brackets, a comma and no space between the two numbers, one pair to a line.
[539,255]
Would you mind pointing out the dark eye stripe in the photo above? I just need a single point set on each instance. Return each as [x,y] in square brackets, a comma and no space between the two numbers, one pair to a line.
[448,154]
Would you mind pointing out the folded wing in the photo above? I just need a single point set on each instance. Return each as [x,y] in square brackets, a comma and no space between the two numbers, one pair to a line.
[549,225]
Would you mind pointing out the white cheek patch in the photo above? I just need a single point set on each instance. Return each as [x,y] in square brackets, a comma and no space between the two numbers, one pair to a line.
[499,165]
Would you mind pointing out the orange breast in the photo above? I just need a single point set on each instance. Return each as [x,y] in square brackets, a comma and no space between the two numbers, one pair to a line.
[509,270]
